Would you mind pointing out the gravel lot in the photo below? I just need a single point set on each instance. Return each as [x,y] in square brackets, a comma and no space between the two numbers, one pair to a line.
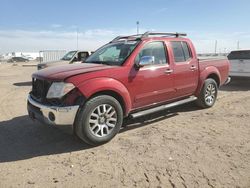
[184,147]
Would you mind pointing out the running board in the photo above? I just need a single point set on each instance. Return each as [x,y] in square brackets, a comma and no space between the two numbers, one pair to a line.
[163,107]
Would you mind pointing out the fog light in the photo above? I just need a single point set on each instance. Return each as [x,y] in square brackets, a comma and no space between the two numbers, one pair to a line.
[51,116]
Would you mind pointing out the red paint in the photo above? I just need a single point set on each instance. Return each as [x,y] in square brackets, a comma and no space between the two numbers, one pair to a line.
[144,87]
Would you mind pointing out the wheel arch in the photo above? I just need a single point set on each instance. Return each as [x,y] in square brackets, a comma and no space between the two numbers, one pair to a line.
[107,86]
[114,94]
[209,72]
[215,77]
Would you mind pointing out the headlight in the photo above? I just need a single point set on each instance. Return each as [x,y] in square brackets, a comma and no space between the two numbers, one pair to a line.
[59,89]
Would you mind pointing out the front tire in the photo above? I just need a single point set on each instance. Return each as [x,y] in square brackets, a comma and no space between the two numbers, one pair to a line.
[99,120]
[208,94]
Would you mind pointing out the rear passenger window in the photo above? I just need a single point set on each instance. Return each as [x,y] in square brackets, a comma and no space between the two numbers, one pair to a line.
[181,51]
[186,51]
[82,56]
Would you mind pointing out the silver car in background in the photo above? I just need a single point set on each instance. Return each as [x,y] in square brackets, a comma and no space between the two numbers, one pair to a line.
[68,58]
[240,63]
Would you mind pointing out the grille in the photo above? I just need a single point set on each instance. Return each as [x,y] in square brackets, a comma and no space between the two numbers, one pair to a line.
[40,89]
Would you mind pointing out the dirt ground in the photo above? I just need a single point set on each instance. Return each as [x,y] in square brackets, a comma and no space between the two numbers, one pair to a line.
[183,147]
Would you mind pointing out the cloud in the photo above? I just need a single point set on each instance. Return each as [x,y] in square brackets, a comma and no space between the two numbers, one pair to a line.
[162,10]
[226,42]
[34,41]
[159,11]
[56,25]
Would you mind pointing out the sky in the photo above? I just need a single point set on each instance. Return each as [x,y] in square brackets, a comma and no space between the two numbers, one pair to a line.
[32,25]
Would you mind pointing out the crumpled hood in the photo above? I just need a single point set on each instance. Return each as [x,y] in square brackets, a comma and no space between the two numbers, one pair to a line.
[60,73]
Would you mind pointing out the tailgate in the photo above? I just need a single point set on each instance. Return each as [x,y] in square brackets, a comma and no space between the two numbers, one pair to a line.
[241,65]
[240,62]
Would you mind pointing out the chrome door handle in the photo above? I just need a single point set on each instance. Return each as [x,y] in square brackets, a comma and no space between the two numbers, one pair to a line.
[193,68]
[168,71]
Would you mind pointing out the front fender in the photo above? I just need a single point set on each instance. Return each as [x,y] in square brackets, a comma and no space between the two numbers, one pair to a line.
[93,86]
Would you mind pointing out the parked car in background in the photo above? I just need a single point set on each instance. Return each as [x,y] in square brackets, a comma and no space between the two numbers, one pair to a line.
[130,76]
[69,58]
[17,59]
[240,63]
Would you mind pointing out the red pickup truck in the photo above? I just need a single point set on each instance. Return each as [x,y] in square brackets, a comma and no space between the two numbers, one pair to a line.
[130,76]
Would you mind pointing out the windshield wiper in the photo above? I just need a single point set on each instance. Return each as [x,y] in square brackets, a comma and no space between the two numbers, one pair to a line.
[65,59]
[99,62]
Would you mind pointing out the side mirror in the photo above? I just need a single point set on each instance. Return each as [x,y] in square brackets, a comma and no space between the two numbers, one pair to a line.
[146,60]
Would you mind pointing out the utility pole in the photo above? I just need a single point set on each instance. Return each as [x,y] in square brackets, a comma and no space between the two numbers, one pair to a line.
[137,24]
[77,38]
[238,45]
[215,47]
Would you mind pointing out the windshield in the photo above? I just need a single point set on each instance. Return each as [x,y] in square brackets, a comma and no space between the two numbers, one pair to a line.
[113,53]
[68,56]
[239,55]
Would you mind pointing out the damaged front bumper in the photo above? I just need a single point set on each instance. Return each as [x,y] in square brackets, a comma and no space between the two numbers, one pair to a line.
[52,115]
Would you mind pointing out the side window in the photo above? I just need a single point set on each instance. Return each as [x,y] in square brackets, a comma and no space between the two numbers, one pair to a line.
[82,56]
[181,51]
[186,51]
[155,49]
[178,52]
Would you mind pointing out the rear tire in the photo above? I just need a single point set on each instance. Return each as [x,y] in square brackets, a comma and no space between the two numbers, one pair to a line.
[208,94]
[99,120]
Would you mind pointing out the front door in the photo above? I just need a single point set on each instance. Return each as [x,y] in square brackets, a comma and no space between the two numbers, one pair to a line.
[153,83]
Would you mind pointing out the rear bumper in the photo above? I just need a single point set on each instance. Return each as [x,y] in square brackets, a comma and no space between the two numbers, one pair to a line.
[227,81]
[52,115]
[239,74]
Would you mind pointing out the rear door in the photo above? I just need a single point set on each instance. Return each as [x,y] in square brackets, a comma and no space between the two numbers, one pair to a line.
[186,69]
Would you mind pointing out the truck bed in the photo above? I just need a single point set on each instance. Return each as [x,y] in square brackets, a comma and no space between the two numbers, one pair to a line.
[220,63]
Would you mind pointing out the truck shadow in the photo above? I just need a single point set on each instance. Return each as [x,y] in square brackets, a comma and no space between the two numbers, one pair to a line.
[21,138]
[237,84]
[130,124]
[20,84]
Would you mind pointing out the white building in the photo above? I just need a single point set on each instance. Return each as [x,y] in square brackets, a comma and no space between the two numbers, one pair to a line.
[27,55]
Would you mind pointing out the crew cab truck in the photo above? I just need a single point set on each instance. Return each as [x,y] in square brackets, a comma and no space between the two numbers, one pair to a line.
[69,58]
[130,76]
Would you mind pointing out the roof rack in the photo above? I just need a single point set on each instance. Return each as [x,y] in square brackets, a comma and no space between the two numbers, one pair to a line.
[131,37]
[146,35]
